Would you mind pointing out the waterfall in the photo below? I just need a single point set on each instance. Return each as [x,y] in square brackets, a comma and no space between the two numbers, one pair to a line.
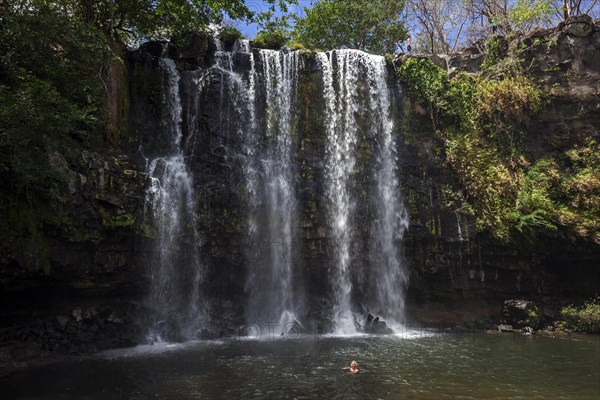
[266,162]
[392,216]
[345,75]
[272,199]
[250,128]
[175,270]
[341,134]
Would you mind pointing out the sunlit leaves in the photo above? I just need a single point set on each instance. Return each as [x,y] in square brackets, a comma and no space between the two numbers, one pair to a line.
[526,14]
[481,121]
[373,26]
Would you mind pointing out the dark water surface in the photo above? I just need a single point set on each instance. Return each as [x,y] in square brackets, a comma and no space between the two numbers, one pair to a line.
[467,366]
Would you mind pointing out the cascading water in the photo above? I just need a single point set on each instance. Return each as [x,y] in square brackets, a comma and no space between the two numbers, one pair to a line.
[268,174]
[341,134]
[345,73]
[257,111]
[175,270]
[272,197]
[392,217]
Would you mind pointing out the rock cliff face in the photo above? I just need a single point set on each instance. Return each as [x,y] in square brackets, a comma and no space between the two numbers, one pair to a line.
[91,251]
[458,273]
[82,252]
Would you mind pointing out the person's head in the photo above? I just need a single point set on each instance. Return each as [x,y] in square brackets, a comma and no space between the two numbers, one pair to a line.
[353,365]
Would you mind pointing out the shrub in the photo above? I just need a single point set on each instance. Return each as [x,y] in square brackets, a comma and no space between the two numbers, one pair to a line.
[425,80]
[274,38]
[297,46]
[508,99]
[583,319]
[491,184]
[481,121]
[493,52]
[230,34]
[550,196]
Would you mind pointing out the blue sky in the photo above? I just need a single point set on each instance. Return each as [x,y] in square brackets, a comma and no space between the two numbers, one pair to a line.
[258,6]
[249,30]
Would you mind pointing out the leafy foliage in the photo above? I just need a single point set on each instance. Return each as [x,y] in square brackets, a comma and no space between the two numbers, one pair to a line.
[372,26]
[484,119]
[130,21]
[230,34]
[136,19]
[56,48]
[568,196]
[275,31]
[273,38]
[534,203]
[493,52]
[426,79]
[526,14]
[583,319]
[51,95]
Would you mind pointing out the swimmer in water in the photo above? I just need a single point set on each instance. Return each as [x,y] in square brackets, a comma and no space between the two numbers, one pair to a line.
[353,367]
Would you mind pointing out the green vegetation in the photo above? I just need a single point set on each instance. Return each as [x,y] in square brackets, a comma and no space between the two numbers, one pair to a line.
[135,19]
[297,46]
[273,38]
[581,319]
[525,14]
[63,94]
[480,121]
[275,31]
[230,34]
[51,96]
[534,318]
[372,26]
[60,67]
[565,194]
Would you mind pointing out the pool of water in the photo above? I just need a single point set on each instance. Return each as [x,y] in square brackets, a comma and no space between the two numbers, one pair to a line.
[408,366]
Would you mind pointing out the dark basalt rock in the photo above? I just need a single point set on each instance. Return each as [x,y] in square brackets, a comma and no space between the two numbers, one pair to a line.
[86,331]
[375,325]
[155,48]
[521,313]
[452,263]
[19,351]
[579,26]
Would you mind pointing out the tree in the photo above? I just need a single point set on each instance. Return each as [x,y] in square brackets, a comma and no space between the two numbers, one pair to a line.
[133,20]
[441,22]
[528,14]
[62,79]
[275,30]
[51,97]
[569,8]
[373,26]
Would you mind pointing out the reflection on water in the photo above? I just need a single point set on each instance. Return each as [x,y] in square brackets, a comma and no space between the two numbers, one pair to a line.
[431,366]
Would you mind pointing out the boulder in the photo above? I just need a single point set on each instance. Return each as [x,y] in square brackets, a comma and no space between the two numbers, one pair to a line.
[62,320]
[155,48]
[580,26]
[464,62]
[374,324]
[19,351]
[527,330]
[521,313]
[194,45]
[77,315]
